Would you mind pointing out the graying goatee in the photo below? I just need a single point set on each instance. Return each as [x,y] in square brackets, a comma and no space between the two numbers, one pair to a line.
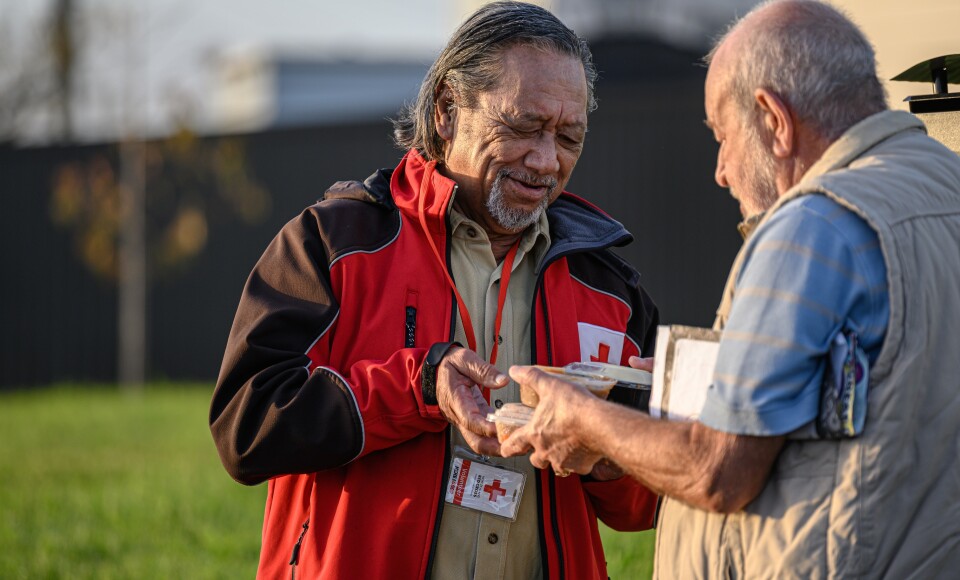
[515,218]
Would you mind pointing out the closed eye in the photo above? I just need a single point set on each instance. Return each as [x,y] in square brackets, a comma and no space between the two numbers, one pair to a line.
[571,142]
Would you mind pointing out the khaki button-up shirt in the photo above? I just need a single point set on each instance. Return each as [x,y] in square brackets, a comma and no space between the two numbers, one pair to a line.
[473,544]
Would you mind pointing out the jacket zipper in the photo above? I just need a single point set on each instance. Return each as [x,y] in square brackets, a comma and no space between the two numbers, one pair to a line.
[553,521]
[544,560]
[446,438]
[554,525]
[436,522]
[410,328]
[295,557]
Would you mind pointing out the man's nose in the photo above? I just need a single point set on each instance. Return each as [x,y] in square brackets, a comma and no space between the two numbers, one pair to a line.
[720,174]
[542,156]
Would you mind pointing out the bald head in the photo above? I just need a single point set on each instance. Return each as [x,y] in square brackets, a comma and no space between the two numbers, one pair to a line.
[810,55]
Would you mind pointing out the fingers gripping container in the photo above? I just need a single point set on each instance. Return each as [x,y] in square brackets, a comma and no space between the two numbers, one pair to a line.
[599,386]
[509,418]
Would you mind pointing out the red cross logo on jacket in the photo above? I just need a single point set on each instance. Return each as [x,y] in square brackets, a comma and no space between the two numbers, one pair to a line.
[603,352]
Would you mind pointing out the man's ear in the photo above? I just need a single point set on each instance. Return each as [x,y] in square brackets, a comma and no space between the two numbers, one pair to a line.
[445,113]
[778,121]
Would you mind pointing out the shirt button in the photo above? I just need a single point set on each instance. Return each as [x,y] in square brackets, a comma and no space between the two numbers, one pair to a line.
[492,538]
[498,403]
[472,232]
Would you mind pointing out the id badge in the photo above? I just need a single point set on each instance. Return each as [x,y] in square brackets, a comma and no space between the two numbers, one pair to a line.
[480,486]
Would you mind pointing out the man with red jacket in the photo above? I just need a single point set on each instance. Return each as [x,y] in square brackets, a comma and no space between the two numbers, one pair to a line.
[365,329]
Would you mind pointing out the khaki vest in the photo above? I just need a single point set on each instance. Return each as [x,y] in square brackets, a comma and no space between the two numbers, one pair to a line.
[885,504]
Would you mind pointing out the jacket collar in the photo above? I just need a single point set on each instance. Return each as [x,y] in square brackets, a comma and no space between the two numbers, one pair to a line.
[406,185]
[577,225]
[861,137]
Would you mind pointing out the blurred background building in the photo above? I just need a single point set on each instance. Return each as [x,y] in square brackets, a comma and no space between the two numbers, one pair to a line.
[257,90]
[150,150]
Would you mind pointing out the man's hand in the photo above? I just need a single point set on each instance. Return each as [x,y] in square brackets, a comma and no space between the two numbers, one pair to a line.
[461,401]
[552,433]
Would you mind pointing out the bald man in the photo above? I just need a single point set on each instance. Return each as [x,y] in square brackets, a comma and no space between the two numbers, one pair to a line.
[853,222]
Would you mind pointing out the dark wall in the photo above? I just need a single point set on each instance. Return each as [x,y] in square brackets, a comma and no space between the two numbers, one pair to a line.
[648,161]
[58,321]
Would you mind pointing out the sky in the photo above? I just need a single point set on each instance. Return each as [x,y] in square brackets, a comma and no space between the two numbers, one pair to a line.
[148,62]
[145,58]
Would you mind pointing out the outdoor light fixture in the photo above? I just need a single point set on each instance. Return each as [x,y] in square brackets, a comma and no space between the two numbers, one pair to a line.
[939,111]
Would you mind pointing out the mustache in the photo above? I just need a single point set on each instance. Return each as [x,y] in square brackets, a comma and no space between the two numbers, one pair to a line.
[528,178]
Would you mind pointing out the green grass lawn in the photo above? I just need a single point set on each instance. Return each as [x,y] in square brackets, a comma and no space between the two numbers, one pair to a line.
[100,484]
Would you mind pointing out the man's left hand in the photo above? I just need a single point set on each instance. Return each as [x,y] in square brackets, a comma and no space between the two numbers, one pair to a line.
[461,400]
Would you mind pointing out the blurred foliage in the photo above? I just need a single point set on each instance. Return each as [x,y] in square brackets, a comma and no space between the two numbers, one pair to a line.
[191,184]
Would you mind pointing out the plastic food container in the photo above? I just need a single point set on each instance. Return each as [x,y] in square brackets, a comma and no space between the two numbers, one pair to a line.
[509,418]
[599,386]
[633,386]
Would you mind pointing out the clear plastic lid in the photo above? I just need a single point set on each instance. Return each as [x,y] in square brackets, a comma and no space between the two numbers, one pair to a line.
[591,382]
[509,418]
[511,414]
[626,376]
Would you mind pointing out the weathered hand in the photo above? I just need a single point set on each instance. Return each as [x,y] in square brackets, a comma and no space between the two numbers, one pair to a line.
[461,400]
[552,432]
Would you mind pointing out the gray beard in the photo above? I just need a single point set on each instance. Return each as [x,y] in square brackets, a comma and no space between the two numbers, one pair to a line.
[760,189]
[513,218]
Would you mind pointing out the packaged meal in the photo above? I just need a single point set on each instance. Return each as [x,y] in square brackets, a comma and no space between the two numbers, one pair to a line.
[509,418]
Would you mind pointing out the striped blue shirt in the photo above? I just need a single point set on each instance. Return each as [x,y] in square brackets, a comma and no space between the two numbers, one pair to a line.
[814,269]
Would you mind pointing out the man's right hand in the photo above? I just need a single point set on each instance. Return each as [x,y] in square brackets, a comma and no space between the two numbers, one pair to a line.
[461,400]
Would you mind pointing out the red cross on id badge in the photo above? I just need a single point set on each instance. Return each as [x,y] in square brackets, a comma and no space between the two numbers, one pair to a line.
[487,488]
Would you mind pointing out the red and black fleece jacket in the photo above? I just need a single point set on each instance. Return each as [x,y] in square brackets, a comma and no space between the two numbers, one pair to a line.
[320,388]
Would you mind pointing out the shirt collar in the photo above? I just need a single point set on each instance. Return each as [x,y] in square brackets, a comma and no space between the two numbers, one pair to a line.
[535,240]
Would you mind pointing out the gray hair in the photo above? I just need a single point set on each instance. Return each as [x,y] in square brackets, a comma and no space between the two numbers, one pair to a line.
[814,58]
[473,59]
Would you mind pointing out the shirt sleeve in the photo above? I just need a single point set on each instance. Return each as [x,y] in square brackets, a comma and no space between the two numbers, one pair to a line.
[810,271]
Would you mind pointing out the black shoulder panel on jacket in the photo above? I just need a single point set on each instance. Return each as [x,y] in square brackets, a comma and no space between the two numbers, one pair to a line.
[357,217]
[619,266]
[374,189]
[604,270]
[576,226]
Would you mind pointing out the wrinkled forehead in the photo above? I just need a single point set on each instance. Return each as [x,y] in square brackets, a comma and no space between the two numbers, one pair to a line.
[540,83]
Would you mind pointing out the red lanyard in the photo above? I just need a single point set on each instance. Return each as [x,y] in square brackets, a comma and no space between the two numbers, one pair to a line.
[504,278]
